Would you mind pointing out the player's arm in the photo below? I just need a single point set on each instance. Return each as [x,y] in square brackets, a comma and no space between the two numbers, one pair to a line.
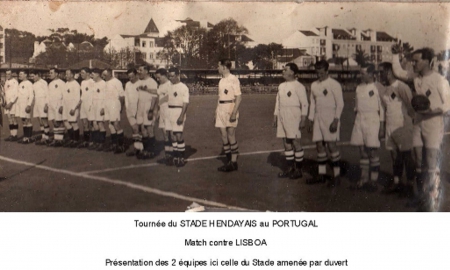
[153,91]
[312,105]
[275,113]
[304,105]
[399,72]
[381,112]
[405,95]
[238,98]
[339,103]
[153,107]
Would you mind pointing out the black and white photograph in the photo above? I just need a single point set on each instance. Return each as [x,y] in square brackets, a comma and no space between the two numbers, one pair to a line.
[174,106]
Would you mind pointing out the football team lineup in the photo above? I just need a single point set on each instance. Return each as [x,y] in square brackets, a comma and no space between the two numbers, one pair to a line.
[332,124]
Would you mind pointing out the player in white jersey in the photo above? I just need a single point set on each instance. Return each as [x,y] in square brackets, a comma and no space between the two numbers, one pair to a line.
[147,111]
[227,114]
[178,103]
[85,105]
[40,108]
[428,130]
[70,108]
[326,105]
[55,96]
[11,88]
[114,100]
[163,99]
[98,111]
[399,129]
[291,109]
[131,105]
[368,127]
[24,102]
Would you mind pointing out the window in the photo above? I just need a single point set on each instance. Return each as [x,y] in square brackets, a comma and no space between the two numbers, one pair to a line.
[1,59]
[323,42]
[151,56]
[1,45]
[144,44]
[372,48]
[136,42]
[150,44]
[379,48]
[144,55]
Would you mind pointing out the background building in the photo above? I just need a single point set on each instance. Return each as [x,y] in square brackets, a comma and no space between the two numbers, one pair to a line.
[328,43]
[2,45]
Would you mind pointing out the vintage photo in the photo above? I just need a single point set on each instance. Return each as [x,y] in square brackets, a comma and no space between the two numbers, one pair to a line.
[224,106]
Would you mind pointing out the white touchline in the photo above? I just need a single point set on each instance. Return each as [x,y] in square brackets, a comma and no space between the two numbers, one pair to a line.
[126,184]
[306,147]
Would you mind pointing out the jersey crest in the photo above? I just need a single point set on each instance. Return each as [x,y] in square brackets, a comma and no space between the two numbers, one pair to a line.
[289,94]
[325,92]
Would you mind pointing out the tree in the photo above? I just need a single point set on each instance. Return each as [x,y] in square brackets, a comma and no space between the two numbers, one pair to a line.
[124,59]
[263,56]
[361,57]
[407,50]
[19,45]
[225,40]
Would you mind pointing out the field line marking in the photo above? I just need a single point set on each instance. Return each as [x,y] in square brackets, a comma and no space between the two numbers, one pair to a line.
[126,184]
[306,147]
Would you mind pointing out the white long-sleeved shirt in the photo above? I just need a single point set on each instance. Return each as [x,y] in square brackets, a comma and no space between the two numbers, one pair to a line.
[11,88]
[114,89]
[397,102]
[72,91]
[368,100]
[25,92]
[178,94]
[326,97]
[132,94]
[292,94]
[55,89]
[229,88]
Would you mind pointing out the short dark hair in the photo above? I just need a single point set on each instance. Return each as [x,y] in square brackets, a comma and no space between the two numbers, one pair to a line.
[71,71]
[132,70]
[322,64]
[108,70]
[426,53]
[24,71]
[146,67]
[386,66]
[161,71]
[225,62]
[55,70]
[86,69]
[175,70]
[96,70]
[370,67]
[293,67]
[36,72]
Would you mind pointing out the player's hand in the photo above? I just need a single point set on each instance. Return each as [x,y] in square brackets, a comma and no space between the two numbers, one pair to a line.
[302,123]
[60,110]
[9,106]
[102,112]
[46,108]
[233,117]
[72,112]
[28,109]
[397,48]
[334,126]
[382,132]
[180,121]
[310,126]
[150,115]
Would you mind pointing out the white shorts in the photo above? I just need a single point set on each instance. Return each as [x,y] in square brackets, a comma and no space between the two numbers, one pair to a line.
[67,107]
[112,110]
[85,110]
[429,133]
[142,113]
[53,111]
[288,123]
[163,115]
[12,111]
[171,123]
[96,108]
[223,114]
[38,110]
[20,110]
[321,128]
[399,136]
[366,129]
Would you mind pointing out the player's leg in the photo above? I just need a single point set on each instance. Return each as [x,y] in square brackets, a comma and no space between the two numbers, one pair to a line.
[46,136]
[299,155]
[13,127]
[120,148]
[27,130]
[175,148]
[234,147]
[76,134]
[226,147]
[335,162]
[374,168]
[418,158]
[168,148]
[409,166]
[364,164]
[102,135]
[432,179]
[95,135]
[290,158]
[321,164]
[69,130]
[113,137]
[180,149]
[86,133]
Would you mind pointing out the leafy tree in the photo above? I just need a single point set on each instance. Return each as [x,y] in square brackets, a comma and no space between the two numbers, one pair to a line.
[361,57]
[19,45]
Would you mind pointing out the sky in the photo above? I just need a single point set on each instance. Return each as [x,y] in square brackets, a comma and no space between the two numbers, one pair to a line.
[421,24]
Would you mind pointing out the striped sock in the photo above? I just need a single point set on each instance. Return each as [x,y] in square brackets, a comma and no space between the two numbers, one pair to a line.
[180,148]
[364,165]
[299,154]
[335,162]
[374,168]
[322,161]
[234,152]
